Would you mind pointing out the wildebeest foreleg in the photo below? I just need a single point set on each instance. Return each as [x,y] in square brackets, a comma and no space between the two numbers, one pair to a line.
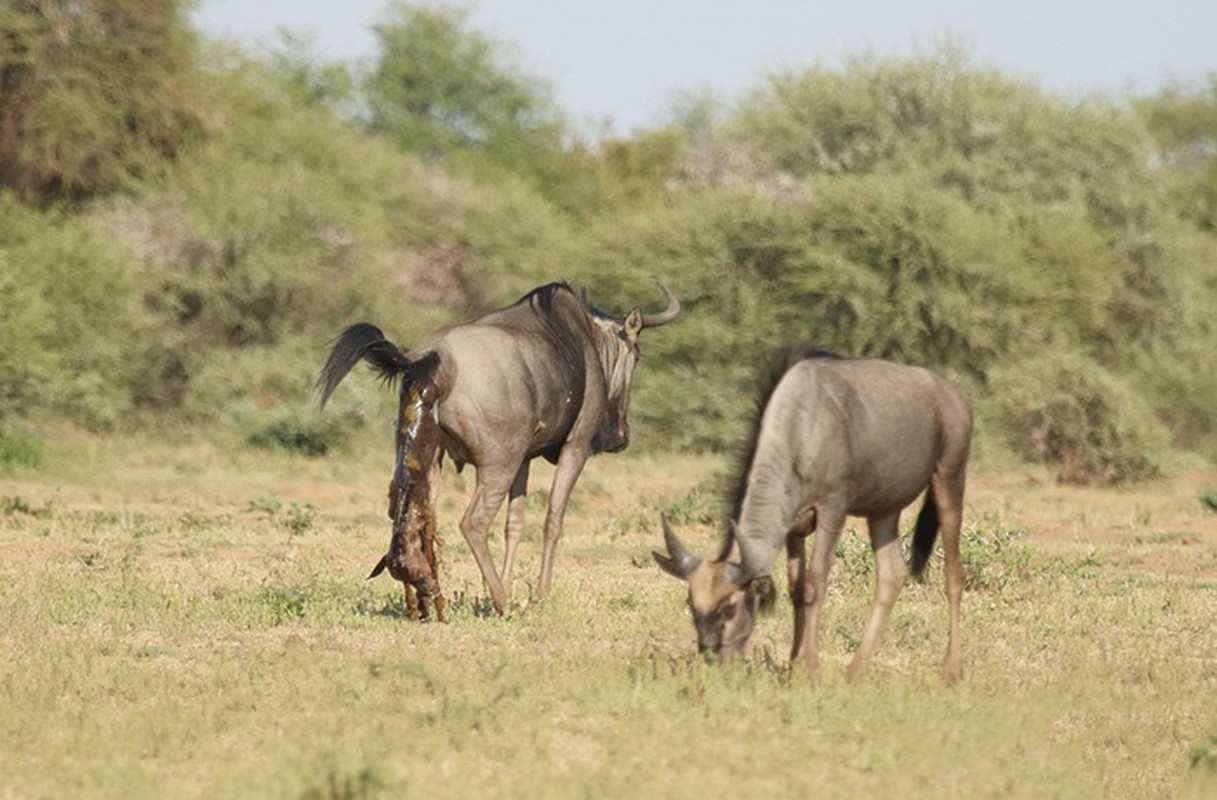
[796,573]
[814,587]
[514,530]
[570,464]
[890,573]
[488,495]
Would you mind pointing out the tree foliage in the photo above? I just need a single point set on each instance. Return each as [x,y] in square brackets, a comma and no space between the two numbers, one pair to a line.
[924,210]
[93,94]
[1183,121]
[442,89]
[1052,256]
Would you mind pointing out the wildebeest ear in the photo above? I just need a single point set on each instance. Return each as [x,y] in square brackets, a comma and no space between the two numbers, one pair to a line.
[735,574]
[633,324]
[678,561]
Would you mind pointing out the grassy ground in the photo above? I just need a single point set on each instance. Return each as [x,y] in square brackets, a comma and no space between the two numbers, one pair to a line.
[195,622]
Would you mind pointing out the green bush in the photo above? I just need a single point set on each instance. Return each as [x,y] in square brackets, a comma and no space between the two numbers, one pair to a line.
[1062,408]
[304,431]
[70,318]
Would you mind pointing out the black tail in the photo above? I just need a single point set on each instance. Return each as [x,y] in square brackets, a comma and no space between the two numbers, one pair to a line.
[361,341]
[924,535]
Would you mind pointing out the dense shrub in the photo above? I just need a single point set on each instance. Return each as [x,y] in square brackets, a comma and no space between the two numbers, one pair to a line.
[296,429]
[70,318]
[1064,409]
[96,95]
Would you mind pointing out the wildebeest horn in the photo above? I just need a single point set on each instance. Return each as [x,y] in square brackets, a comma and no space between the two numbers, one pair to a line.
[735,572]
[665,316]
[678,561]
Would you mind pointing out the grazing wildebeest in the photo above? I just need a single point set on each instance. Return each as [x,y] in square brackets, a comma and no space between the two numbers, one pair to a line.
[835,437]
[548,376]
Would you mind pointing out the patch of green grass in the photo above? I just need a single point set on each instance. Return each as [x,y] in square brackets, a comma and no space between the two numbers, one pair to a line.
[299,518]
[20,451]
[1204,755]
[339,784]
[10,506]
[995,555]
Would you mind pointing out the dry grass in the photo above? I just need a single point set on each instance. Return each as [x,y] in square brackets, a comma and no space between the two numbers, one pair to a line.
[194,622]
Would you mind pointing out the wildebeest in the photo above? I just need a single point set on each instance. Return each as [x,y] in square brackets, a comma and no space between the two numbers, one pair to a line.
[547,376]
[835,437]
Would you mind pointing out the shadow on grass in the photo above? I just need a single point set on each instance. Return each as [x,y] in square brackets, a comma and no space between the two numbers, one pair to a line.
[461,604]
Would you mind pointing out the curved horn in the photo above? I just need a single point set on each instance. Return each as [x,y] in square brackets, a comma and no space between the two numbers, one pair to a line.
[665,316]
[678,561]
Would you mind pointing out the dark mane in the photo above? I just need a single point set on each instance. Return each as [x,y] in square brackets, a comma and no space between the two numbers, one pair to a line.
[779,365]
[543,296]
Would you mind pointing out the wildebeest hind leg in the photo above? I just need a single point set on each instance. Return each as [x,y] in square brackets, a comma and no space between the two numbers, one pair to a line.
[514,529]
[412,609]
[890,573]
[488,496]
[948,495]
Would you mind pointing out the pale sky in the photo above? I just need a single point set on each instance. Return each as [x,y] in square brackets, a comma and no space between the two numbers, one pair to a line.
[624,60]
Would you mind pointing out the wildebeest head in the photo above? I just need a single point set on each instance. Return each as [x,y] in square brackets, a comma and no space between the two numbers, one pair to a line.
[619,353]
[723,600]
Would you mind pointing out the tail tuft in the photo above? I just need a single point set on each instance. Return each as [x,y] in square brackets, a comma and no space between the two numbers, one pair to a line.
[360,341]
[924,535]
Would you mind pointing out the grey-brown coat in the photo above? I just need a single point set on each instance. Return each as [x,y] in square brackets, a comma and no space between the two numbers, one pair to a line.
[836,437]
[548,376]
